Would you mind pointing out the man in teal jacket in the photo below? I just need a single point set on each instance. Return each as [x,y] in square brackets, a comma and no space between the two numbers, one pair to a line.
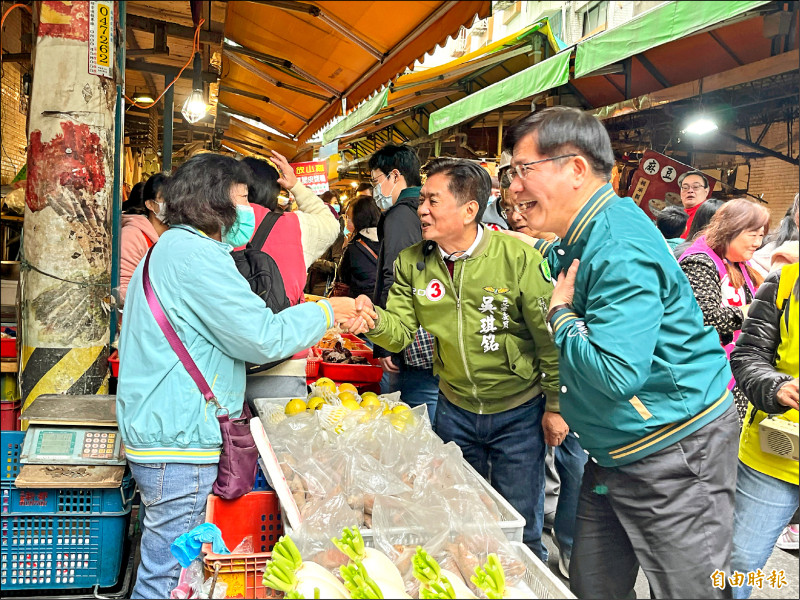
[643,382]
[483,296]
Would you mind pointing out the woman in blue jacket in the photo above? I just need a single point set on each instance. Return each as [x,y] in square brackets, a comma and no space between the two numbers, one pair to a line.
[172,440]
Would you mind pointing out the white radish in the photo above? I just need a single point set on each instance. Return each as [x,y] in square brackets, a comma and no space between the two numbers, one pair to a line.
[287,572]
[377,564]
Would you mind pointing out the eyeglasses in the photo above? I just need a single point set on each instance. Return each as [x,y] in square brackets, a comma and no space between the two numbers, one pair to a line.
[695,188]
[375,182]
[517,208]
[523,169]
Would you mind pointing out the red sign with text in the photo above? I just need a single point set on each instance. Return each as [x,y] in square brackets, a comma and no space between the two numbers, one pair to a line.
[655,183]
[312,175]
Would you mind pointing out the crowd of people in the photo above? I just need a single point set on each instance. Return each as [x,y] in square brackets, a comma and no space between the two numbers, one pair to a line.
[555,333]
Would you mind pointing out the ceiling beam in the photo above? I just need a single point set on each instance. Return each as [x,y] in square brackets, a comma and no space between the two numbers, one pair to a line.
[238,113]
[251,68]
[276,61]
[759,147]
[166,70]
[651,68]
[172,29]
[725,47]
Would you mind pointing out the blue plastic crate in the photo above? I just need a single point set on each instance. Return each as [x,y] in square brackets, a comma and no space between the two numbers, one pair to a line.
[40,501]
[261,484]
[40,552]
[11,449]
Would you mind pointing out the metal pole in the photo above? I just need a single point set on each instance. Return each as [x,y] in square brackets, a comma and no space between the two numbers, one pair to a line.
[119,160]
[499,134]
[169,109]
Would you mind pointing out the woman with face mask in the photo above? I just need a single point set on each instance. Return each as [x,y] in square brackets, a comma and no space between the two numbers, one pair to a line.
[141,228]
[172,438]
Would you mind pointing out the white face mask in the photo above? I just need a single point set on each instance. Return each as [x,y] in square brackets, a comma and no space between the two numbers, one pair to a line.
[161,213]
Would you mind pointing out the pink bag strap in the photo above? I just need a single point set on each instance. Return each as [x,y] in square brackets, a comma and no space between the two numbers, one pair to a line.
[172,337]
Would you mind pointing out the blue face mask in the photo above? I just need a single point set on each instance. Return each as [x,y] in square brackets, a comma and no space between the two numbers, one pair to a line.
[336,208]
[383,201]
[243,227]
[346,231]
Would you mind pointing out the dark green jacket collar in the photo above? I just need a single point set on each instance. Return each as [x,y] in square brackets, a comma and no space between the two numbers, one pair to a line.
[578,233]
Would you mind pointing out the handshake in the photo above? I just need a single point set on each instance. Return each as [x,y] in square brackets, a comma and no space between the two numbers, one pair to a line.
[354,315]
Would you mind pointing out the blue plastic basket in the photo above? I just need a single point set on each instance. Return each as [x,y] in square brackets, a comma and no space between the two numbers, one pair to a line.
[40,552]
[108,502]
[261,484]
[11,449]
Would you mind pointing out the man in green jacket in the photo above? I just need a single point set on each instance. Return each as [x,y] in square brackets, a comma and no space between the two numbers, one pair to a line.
[643,382]
[484,297]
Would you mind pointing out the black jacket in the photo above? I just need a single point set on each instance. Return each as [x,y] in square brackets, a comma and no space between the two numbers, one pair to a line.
[359,266]
[753,359]
[398,229]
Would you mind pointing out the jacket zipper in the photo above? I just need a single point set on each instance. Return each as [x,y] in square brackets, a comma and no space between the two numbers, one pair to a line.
[461,338]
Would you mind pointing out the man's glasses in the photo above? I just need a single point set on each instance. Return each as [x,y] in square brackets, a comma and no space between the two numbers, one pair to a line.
[375,182]
[517,208]
[525,168]
[695,188]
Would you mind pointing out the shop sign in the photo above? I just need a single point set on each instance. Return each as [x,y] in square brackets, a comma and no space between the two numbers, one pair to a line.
[101,39]
[655,183]
[313,175]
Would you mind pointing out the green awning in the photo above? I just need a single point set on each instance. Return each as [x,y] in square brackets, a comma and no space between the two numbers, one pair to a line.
[542,76]
[358,116]
[660,25]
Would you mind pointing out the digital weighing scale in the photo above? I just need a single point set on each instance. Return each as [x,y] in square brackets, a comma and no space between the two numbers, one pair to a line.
[71,441]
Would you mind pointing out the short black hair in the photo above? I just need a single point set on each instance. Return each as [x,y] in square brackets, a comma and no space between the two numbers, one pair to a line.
[402,158]
[198,193]
[671,222]
[564,130]
[467,181]
[134,205]
[153,186]
[365,212]
[263,189]
[703,216]
[327,197]
[700,174]
[364,187]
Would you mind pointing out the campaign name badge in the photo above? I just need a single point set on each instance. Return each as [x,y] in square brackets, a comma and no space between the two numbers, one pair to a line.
[435,290]
[545,268]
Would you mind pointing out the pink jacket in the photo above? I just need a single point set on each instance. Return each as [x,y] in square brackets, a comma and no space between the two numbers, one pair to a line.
[138,235]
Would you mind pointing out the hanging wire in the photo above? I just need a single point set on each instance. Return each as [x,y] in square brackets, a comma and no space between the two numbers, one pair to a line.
[12,7]
[195,49]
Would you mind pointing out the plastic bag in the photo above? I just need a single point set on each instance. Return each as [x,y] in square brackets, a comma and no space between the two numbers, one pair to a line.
[245,546]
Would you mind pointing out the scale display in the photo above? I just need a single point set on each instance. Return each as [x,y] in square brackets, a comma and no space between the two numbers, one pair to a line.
[71,446]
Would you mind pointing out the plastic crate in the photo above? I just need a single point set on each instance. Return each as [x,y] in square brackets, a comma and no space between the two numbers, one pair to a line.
[51,552]
[261,484]
[541,580]
[511,522]
[257,514]
[107,502]
[371,373]
[113,362]
[8,347]
[11,449]
[9,415]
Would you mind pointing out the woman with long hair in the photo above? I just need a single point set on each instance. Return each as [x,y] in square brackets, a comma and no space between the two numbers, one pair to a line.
[717,266]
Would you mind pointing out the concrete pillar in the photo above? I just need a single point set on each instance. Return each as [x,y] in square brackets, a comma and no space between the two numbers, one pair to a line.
[67,248]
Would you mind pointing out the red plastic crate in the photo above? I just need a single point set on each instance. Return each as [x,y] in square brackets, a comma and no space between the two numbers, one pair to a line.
[9,415]
[113,362]
[257,514]
[370,373]
[312,366]
[8,347]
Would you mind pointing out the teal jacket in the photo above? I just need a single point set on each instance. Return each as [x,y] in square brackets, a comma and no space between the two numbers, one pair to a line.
[493,351]
[162,415]
[639,370]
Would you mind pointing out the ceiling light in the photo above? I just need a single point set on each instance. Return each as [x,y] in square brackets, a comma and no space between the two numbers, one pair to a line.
[143,97]
[343,197]
[195,107]
[354,184]
[700,126]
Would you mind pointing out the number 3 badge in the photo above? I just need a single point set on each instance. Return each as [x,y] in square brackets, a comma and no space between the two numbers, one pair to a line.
[435,290]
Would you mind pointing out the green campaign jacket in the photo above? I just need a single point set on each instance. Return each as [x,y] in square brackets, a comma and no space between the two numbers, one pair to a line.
[639,370]
[493,350]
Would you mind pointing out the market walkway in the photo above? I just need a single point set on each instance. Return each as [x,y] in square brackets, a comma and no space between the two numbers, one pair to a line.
[789,562]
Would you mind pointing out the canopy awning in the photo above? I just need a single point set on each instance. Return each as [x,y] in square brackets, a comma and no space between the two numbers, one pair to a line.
[663,24]
[291,63]
[425,85]
[540,77]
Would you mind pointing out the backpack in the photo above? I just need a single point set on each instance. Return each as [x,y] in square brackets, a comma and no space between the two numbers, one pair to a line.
[262,274]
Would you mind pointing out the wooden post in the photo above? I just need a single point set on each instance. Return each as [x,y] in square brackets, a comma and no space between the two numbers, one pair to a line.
[66,267]
[169,117]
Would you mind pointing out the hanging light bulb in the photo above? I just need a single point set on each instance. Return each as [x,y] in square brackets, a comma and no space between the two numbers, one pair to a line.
[195,107]
[700,125]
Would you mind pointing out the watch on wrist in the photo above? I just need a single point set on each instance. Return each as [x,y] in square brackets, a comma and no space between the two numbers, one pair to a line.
[554,309]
